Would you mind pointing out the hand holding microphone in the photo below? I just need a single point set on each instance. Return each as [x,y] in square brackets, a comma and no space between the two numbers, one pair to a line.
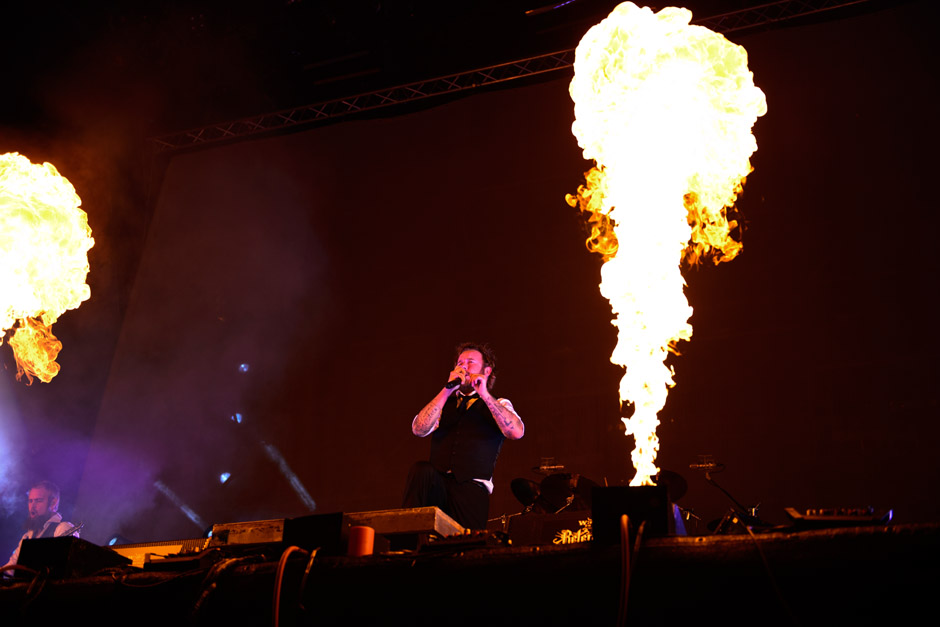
[458,376]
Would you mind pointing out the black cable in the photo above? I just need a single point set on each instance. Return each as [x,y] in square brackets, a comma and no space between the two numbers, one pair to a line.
[636,545]
[19,567]
[209,584]
[35,589]
[303,582]
[278,580]
[770,576]
[624,569]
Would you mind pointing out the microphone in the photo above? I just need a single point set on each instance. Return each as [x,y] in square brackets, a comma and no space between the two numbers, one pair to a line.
[450,385]
[707,466]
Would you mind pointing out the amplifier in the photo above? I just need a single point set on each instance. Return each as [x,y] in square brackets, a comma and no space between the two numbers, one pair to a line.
[318,531]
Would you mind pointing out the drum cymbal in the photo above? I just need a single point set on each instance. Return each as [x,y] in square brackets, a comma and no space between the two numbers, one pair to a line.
[555,493]
[676,486]
[525,490]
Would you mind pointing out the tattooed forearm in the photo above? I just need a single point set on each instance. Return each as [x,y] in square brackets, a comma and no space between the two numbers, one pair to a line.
[426,420]
[507,420]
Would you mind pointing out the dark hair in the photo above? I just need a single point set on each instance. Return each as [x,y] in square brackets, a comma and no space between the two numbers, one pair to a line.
[50,487]
[489,359]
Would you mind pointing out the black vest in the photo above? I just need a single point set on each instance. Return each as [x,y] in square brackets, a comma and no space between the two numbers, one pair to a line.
[49,530]
[467,440]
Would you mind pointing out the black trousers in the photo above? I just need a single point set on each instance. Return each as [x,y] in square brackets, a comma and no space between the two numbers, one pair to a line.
[467,502]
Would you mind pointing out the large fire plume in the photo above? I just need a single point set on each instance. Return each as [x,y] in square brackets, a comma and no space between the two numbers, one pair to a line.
[665,110]
[44,243]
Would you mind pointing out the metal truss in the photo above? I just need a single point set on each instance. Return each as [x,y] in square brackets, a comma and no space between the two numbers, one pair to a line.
[766,14]
[770,13]
[366,102]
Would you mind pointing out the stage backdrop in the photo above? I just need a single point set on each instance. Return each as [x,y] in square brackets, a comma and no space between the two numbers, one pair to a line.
[316,284]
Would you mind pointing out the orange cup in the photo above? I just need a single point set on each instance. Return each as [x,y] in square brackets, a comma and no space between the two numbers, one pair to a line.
[361,541]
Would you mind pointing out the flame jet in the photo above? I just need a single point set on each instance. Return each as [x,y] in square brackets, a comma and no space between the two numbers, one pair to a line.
[44,243]
[665,110]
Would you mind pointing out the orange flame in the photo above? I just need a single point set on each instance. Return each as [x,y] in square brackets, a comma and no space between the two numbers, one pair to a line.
[44,243]
[665,110]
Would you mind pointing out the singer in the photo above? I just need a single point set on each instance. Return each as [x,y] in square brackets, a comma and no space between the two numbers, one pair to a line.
[467,425]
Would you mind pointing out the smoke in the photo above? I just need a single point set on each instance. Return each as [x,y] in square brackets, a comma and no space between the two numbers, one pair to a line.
[11,432]
[32,449]
[121,489]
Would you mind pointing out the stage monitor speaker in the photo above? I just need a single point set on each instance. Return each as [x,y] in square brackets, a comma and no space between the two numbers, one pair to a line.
[639,503]
[67,557]
[317,531]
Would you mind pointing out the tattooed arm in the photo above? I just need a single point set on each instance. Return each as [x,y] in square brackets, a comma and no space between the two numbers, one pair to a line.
[505,416]
[428,418]
[503,412]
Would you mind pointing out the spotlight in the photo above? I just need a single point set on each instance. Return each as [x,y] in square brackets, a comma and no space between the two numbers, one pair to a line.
[118,539]
[224,477]
[244,367]
[236,418]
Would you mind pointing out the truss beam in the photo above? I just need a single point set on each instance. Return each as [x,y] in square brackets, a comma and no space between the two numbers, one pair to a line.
[767,14]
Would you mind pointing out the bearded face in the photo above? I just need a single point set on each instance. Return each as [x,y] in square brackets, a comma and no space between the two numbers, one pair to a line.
[42,505]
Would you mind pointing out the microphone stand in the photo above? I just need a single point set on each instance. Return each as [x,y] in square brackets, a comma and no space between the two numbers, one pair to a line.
[746,515]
